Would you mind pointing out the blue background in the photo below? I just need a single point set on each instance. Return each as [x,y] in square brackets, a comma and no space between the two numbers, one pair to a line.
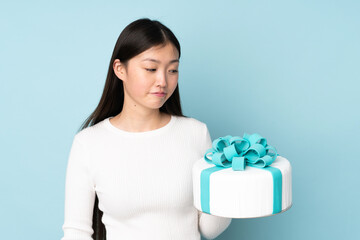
[288,70]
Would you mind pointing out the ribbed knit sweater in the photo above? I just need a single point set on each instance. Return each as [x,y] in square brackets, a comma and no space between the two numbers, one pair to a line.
[143,181]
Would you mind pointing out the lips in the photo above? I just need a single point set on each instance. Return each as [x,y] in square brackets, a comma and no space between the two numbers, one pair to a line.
[159,94]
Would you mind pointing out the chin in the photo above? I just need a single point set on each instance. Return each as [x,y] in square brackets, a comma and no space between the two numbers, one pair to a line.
[156,106]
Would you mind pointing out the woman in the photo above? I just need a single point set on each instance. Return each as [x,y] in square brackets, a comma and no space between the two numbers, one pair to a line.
[129,167]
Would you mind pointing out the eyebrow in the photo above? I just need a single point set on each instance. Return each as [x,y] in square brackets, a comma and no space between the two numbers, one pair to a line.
[157,61]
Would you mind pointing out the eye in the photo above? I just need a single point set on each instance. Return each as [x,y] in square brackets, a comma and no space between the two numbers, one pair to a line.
[150,69]
[174,71]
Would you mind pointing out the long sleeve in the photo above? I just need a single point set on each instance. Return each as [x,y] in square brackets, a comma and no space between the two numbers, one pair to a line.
[211,226]
[79,195]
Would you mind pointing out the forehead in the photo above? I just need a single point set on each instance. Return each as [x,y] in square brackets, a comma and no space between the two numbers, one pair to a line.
[159,53]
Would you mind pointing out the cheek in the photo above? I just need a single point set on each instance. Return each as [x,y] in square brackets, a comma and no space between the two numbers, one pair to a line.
[139,85]
[140,88]
[173,83]
[171,87]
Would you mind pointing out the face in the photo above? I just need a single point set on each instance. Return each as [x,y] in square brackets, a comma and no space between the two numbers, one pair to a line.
[152,71]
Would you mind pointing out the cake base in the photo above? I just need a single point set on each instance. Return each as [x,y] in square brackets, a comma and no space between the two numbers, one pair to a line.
[269,215]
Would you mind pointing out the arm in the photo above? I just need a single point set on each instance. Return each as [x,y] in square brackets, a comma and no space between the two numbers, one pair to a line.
[210,226]
[79,195]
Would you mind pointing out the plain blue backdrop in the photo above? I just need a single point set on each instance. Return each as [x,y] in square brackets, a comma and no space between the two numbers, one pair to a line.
[288,70]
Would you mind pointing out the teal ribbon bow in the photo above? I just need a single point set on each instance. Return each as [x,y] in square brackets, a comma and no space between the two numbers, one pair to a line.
[236,152]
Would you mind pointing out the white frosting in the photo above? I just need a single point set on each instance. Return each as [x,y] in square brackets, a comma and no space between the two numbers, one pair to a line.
[243,194]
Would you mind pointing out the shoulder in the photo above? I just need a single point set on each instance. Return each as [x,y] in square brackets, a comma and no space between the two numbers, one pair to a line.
[197,134]
[91,133]
[189,121]
[192,124]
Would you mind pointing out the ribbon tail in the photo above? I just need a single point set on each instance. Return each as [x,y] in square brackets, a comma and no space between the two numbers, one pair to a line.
[205,187]
[277,178]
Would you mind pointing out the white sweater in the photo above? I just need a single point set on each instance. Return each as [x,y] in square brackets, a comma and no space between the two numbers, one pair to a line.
[143,181]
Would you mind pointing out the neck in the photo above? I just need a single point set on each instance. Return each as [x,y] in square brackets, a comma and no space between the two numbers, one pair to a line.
[135,121]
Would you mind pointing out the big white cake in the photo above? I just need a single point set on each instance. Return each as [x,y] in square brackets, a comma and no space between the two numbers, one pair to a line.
[252,192]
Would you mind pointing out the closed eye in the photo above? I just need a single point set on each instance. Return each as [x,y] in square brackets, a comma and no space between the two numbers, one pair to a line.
[154,69]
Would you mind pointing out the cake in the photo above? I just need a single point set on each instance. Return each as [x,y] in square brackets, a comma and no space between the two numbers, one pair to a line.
[242,177]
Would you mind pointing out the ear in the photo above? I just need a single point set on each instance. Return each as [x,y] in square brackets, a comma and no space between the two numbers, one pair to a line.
[119,70]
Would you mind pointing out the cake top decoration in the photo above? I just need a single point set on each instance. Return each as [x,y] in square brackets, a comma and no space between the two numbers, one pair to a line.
[237,152]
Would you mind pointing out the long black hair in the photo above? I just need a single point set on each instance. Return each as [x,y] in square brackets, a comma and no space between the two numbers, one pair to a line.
[136,38]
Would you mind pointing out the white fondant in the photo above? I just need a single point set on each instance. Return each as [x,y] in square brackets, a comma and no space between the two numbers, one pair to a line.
[243,194]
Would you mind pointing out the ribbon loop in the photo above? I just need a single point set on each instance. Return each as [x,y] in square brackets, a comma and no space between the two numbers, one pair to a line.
[237,152]
[241,144]
[219,159]
[220,143]
[256,138]
[230,152]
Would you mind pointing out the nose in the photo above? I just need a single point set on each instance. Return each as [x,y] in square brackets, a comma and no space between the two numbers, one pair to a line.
[161,79]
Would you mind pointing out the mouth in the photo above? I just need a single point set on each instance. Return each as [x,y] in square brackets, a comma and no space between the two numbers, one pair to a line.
[159,94]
